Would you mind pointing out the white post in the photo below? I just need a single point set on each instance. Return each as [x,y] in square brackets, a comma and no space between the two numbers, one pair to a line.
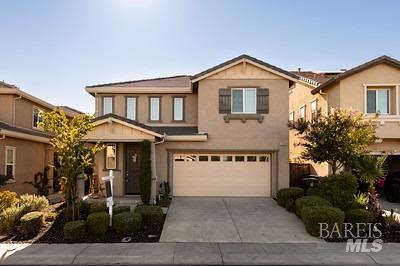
[109,193]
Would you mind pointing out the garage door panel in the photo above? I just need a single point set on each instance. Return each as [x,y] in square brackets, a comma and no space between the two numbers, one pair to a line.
[208,178]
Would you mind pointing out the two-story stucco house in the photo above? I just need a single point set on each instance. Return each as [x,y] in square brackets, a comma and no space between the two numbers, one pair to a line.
[221,132]
[372,88]
[24,147]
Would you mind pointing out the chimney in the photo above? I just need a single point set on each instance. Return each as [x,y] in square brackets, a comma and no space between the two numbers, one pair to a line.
[299,70]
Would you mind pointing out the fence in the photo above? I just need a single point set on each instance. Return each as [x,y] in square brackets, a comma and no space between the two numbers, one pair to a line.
[297,170]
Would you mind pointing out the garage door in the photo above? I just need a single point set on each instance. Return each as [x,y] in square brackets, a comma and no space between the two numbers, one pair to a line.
[246,175]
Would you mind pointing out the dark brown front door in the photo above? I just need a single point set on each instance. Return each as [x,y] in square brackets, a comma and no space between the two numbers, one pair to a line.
[132,170]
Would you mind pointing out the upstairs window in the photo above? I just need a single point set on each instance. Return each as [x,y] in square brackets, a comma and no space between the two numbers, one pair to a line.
[37,117]
[131,108]
[244,101]
[178,108]
[302,112]
[111,157]
[378,101]
[291,117]
[154,109]
[314,109]
[107,105]
[10,162]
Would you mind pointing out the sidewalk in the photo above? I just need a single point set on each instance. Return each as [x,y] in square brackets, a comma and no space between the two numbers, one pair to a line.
[193,253]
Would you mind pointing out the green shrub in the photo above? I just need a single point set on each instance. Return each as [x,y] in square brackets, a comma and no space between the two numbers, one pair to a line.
[308,201]
[290,205]
[314,191]
[33,202]
[339,190]
[7,198]
[360,201]
[84,208]
[164,202]
[10,216]
[98,207]
[145,172]
[313,216]
[289,193]
[121,209]
[50,215]
[359,216]
[97,223]
[151,215]
[74,230]
[31,223]
[127,222]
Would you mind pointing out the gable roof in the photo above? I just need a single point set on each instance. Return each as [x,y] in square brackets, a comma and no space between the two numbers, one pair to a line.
[380,60]
[7,85]
[172,81]
[242,58]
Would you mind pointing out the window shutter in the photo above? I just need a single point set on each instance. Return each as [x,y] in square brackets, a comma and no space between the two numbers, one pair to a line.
[224,101]
[262,101]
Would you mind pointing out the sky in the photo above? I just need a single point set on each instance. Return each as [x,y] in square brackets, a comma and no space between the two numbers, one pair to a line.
[53,49]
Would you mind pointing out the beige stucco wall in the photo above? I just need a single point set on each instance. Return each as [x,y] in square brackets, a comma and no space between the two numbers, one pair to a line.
[190,105]
[31,157]
[299,96]
[6,101]
[24,112]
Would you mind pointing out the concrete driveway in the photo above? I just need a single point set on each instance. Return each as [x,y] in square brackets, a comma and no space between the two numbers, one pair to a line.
[251,220]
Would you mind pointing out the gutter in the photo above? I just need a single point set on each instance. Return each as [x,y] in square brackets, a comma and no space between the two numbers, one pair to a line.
[203,137]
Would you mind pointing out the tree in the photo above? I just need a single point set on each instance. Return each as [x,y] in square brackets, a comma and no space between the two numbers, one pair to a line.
[370,169]
[73,155]
[145,172]
[338,138]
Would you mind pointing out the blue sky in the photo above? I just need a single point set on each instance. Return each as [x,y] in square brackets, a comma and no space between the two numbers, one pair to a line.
[53,49]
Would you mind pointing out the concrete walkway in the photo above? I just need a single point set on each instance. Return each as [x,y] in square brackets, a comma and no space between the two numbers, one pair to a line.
[233,220]
[193,254]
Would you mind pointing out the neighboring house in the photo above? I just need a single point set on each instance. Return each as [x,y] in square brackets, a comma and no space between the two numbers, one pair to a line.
[221,132]
[24,147]
[372,88]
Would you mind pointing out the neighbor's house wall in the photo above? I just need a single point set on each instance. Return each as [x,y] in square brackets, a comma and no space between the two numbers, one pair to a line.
[6,103]
[31,157]
[119,106]
[299,96]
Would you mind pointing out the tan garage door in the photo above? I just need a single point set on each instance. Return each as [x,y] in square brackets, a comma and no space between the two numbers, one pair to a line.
[246,175]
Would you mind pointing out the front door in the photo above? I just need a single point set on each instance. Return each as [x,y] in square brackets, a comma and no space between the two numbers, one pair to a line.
[132,185]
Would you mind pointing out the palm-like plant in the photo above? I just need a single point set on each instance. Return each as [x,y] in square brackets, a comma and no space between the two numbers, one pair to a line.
[370,169]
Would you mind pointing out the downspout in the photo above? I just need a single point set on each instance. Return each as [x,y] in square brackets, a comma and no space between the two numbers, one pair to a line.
[13,113]
[327,99]
[154,170]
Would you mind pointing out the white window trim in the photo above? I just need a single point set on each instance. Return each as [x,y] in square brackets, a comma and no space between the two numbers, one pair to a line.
[14,149]
[134,109]
[112,103]
[33,117]
[183,108]
[243,89]
[116,154]
[366,89]
[291,115]
[151,108]
[312,111]
[305,110]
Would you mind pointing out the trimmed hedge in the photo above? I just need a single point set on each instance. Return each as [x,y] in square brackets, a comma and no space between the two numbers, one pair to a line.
[121,209]
[151,215]
[313,216]
[75,230]
[314,191]
[127,222]
[97,223]
[359,216]
[307,201]
[339,190]
[292,193]
[98,207]
[31,223]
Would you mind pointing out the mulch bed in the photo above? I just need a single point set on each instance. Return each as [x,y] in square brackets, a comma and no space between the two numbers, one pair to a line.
[52,232]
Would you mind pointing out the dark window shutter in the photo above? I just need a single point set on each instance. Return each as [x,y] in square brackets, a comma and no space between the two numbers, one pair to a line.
[262,101]
[224,101]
